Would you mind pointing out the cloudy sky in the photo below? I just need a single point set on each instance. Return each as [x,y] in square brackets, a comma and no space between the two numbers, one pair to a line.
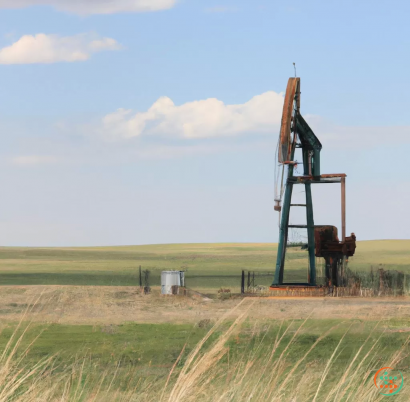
[156,121]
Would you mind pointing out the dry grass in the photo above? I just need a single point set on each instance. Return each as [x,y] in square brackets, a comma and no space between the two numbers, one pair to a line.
[268,375]
[115,305]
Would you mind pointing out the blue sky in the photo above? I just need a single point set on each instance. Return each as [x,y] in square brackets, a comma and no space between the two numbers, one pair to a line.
[122,125]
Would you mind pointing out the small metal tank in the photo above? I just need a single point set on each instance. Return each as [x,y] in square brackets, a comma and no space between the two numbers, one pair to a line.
[171,280]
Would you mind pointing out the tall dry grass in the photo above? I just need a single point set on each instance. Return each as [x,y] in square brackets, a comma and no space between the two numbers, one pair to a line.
[217,369]
[275,375]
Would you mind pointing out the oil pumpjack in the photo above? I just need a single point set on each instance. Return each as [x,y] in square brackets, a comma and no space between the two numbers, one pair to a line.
[322,241]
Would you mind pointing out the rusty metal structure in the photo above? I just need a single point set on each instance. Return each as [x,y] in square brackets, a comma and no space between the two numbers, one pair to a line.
[322,241]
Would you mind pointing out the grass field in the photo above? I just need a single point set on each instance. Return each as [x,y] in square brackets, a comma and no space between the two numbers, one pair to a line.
[80,342]
[209,265]
[316,351]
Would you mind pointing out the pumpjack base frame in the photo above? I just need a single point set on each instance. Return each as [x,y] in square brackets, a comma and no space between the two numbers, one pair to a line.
[285,286]
[297,289]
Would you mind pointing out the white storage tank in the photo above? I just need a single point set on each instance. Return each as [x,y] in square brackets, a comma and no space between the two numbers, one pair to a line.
[169,279]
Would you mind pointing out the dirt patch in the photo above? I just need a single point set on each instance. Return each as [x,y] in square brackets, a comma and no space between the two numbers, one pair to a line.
[108,305]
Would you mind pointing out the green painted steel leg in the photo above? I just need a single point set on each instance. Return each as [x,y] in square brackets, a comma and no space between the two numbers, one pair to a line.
[283,234]
[311,234]
[316,165]
[305,155]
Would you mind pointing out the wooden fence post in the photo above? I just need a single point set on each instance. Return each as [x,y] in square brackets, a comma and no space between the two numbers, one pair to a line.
[140,278]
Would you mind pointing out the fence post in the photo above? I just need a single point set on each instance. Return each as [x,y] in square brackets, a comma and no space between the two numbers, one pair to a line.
[140,278]
[243,282]
[147,287]
[381,281]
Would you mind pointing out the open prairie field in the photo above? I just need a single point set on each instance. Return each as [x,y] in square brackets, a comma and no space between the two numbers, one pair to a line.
[207,265]
[77,343]
[71,340]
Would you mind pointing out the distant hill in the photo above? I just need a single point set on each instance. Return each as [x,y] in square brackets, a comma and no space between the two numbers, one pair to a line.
[119,265]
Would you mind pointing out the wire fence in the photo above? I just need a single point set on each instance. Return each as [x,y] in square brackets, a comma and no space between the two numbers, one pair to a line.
[375,282]
[207,283]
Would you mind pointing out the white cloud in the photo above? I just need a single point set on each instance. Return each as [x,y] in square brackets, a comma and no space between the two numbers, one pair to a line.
[42,48]
[33,160]
[212,118]
[198,119]
[84,7]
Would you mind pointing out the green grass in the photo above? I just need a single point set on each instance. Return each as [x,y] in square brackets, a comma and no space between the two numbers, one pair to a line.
[148,352]
[158,345]
[211,265]
[147,346]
